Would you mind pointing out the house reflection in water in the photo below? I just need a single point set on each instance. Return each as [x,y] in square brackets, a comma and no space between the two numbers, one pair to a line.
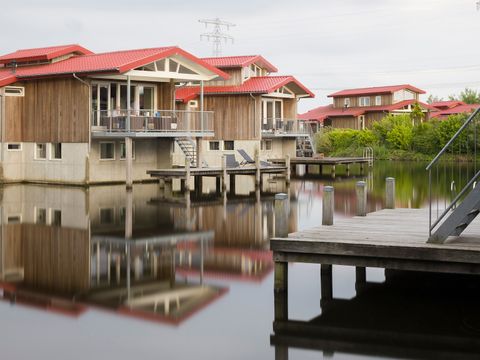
[65,249]
[410,316]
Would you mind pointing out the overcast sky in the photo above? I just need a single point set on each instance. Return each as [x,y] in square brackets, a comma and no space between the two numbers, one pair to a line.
[328,45]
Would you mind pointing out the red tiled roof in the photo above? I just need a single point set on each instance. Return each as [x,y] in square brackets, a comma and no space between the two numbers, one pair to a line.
[254,85]
[323,112]
[111,62]
[228,62]
[376,90]
[46,53]
[443,105]
[460,109]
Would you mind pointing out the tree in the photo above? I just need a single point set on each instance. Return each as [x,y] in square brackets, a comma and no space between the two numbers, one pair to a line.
[417,114]
[470,96]
[433,98]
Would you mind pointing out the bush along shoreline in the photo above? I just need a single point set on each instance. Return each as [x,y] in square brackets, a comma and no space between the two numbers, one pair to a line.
[399,137]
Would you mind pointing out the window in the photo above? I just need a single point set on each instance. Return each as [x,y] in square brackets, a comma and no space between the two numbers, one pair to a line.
[361,118]
[107,151]
[364,101]
[14,219]
[346,102]
[266,145]
[40,151]
[56,151]
[40,216]
[14,147]
[56,217]
[378,100]
[193,103]
[107,216]
[14,91]
[123,151]
[214,145]
[228,145]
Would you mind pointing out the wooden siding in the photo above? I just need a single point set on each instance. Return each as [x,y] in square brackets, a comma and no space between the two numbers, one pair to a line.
[235,78]
[165,95]
[345,122]
[51,111]
[290,108]
[372,117]
[234,116]
[338,102]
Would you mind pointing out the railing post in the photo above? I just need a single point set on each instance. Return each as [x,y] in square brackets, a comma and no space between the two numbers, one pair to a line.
[390,193]
[327,205]
[361,190]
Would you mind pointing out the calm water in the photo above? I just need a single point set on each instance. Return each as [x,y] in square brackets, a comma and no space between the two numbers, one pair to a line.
[101,274]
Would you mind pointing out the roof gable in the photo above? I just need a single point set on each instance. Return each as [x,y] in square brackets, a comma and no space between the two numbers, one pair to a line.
[376,90]
[231,62]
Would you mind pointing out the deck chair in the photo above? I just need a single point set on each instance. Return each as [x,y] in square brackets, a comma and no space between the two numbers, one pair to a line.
[247,160]
[231,162]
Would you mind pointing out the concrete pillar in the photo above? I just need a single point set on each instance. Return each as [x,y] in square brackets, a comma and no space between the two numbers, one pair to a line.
[390,193]
[287,163]
[327,205]
[187,174]
[258,174]
[361,192]
[224,173]
[281,215]
[128,162]
[232,183]
[199,153]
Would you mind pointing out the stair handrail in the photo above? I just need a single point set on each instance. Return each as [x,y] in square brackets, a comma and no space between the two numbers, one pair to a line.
[435,160]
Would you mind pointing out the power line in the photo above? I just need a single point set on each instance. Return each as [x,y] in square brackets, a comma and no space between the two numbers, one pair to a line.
[217,35]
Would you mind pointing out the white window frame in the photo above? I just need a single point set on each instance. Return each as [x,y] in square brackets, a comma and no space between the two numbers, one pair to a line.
[214,141]
[35,213]
[232,141]
[122,143]
[363,101]
[19,148]
[378,100]
[51,216]
[51,152]
[20,91]
[11,216]
[346,102]
[35,155]
[264,143]
[100,150]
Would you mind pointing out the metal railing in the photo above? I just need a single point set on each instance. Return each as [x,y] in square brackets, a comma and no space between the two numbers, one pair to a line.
[454,167]
[152,121]
[282,126]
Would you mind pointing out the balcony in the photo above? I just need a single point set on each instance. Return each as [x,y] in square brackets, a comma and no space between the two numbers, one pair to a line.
[279,127]
[152,123]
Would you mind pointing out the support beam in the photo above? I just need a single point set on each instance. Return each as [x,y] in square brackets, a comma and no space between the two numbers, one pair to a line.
[129,162]
[326,284]
[232,183]
[288,172]
[187,174]
[258,174]
[280,276]
[199,159]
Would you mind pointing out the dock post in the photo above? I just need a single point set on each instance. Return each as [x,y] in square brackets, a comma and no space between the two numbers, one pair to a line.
[232,183]
[128,162]
[348,169]
[224,173]
[168,188]
[187,174]
[218,185]
[289,170]
[258,175]
[361,190]
[361,168]
[161,183]
[327,205]
[333,171]
[198,181]
[326,284]
[360,277]
[281,215]
[390,193]
[320,169]
[280,276]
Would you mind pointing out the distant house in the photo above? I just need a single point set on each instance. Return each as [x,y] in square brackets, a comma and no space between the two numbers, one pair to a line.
[252,109]
[359,108]
[443,109]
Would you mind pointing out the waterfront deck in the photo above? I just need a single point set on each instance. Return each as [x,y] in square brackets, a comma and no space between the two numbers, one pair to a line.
[390,238]
[181,173]
[332,162]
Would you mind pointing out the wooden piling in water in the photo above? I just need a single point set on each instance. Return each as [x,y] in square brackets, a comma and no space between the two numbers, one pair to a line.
[281,215]
[187,175]
[224,173]
[288,171]
[361,192]
[128,162]
[390,193]
[258,175]
[326,284]
[327,205]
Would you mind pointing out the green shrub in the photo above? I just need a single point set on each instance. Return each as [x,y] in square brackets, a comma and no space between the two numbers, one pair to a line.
[425,139]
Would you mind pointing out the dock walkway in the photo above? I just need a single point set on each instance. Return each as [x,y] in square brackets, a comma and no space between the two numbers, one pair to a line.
[390,238]
[332,162]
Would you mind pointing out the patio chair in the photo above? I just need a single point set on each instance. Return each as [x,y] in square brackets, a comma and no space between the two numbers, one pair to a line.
[247,160]
[231,162]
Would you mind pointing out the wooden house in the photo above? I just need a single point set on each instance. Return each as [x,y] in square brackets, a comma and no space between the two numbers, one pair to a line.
[360,108]
[443,109]
[68,115]
[252,109]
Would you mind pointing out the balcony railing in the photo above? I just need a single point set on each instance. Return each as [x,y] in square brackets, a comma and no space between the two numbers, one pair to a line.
[283,126]
[161,121]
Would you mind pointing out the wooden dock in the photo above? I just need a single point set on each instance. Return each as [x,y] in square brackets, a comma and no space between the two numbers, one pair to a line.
[333,162]
[390,238]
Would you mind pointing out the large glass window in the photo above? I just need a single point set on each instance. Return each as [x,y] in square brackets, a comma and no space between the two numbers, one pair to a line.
[145,98]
